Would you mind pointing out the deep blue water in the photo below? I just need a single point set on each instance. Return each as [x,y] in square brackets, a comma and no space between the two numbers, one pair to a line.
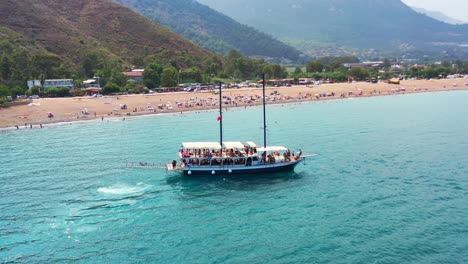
[390,185]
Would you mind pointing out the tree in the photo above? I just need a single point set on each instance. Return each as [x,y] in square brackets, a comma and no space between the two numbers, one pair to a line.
[298,71]
[119,78]
[5,68]
[192,75]
[52,92]
[152,75]
[43,64]
[20,67]
[315,66]
[169,77]
[35,90]
[387,63]
[63,92]
[111,88]
[359,73]
[268,71]
[90,64]
[111,72]
[64,71]
[4,91]
[214,66]
[279,71]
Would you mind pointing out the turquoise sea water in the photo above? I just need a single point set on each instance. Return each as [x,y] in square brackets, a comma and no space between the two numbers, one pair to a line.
[390,185]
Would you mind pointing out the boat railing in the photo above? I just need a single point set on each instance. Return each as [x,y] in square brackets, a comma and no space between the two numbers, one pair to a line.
[232,162]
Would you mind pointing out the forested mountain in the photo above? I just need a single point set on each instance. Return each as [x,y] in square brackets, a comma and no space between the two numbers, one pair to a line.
[212,29]
[71,30]
[380,24]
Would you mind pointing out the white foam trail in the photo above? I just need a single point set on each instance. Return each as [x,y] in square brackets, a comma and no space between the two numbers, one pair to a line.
[122,189]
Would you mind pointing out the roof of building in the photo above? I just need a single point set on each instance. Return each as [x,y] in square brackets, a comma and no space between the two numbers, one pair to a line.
[133,74]
[59,80]
[90,81]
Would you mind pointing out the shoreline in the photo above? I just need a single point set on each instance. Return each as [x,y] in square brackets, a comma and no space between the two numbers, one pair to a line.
[99,107]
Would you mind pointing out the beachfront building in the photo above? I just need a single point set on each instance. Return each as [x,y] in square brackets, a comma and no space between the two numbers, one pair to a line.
[92,87]
[91,83]
[135,75]
[52,83]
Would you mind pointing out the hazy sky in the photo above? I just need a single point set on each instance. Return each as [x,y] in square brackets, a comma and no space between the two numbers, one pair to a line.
[453,8]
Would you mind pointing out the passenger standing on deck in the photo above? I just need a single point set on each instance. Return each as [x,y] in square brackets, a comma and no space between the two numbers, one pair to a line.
[299,154]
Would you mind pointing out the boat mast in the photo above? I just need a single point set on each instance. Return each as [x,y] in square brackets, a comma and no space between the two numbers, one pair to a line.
[220,118]
[264,113]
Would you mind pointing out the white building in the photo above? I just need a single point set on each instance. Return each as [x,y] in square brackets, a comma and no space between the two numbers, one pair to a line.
[91,83]
[57,83]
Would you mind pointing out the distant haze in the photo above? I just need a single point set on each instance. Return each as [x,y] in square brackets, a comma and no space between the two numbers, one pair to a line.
[453,8]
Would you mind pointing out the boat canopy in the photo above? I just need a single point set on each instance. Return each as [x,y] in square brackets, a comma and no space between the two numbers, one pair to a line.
[272,149]
[233,145]
[201,145]
[251,144]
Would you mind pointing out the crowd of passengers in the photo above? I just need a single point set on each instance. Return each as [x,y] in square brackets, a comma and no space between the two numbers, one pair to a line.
[214,157]
[224,153]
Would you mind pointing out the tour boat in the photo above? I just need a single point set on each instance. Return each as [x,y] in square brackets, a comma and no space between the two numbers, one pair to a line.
[236,158]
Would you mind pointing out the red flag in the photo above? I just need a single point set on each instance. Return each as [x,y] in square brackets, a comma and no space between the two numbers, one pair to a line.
[220,118]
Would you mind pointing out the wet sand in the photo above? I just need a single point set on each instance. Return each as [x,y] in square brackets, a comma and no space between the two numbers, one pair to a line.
[74,109]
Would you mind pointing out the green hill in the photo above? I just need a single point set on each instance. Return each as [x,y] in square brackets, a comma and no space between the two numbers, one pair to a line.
[378,24]
[212,29]
[74,29]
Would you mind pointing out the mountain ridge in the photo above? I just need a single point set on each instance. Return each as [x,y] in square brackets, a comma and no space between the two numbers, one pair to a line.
[438,15]
[211,29]
[368,24]
[101,26]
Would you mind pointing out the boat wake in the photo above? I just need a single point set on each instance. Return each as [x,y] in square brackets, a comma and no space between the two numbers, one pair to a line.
[123,189]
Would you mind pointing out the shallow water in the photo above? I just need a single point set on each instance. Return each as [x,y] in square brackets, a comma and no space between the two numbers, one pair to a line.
[390,185]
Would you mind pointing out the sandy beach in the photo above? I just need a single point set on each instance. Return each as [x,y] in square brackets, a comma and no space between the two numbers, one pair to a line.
[35,113]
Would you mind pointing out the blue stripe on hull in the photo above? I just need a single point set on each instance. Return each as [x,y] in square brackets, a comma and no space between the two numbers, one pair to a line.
[236,171]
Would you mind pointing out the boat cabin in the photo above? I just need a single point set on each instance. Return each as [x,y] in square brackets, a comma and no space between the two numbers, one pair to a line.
[195,154]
